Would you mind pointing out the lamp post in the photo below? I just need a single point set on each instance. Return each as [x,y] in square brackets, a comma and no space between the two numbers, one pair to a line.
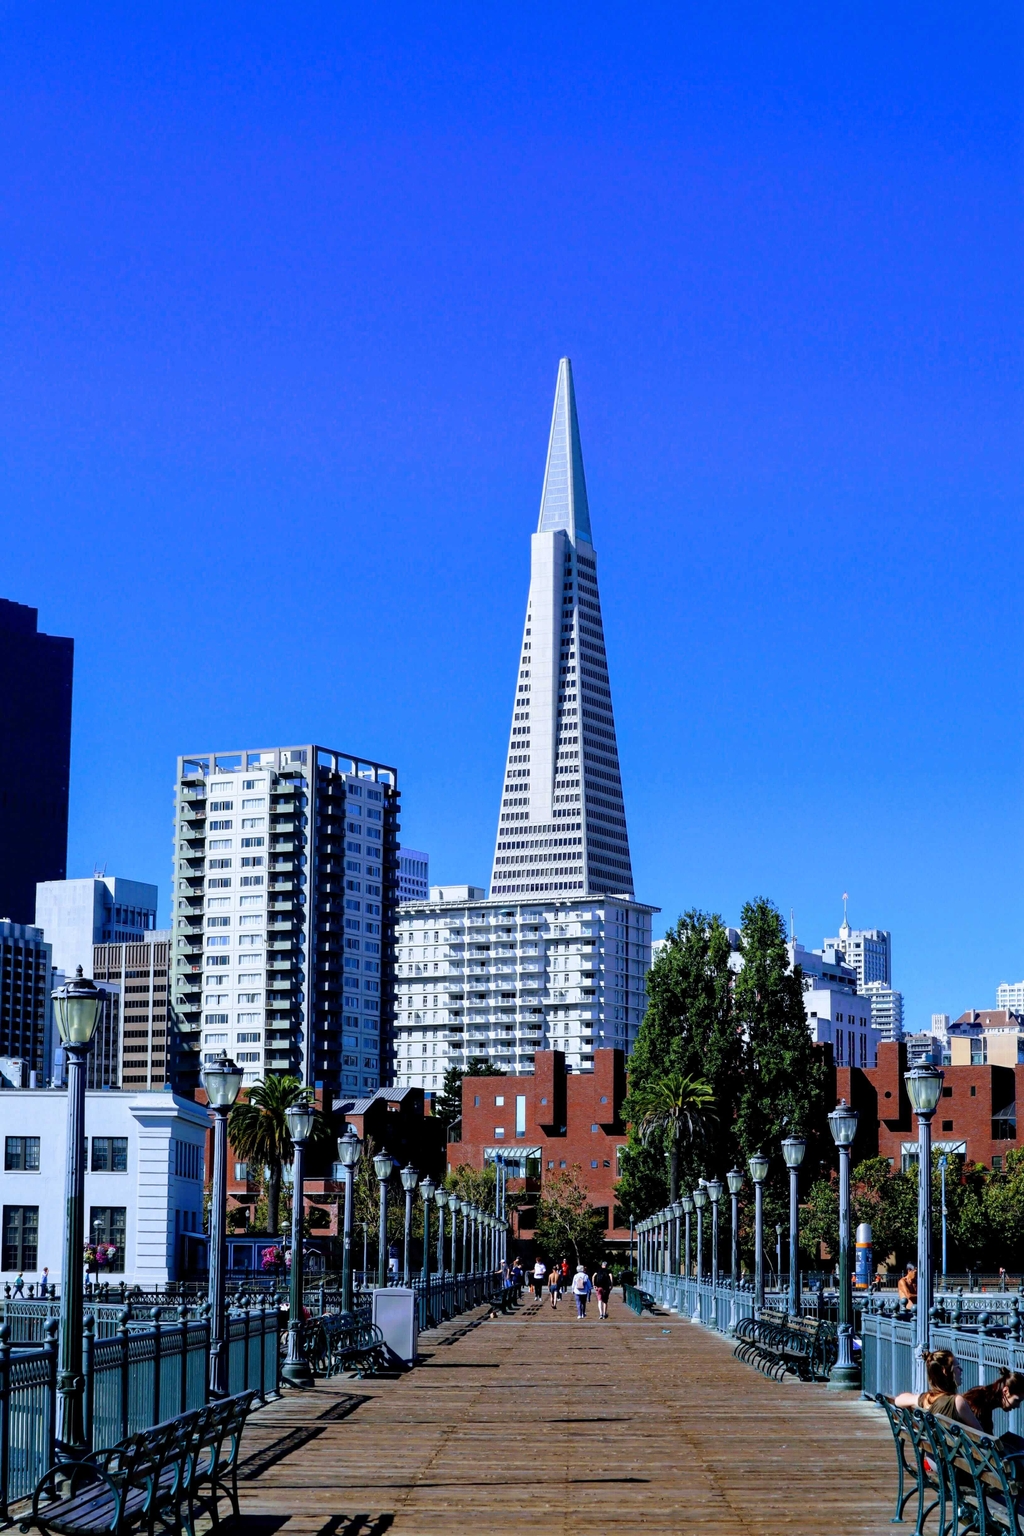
[734,1179]
[295,1370]
[700,1200]
[427,1194]
[793,1149]
[924,1088]
[410,1178]
[467,1206]
[677,1248]
[942,1175]
[454,1205]
[844,1375]
[441,1201]
[383,1167]
[778,1253]
[349,1150]
[686,1201]
[715,1194]
[77,1006]
[758,1165]
[222,1080]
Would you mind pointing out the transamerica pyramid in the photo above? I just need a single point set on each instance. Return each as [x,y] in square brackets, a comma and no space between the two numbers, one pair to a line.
[562,824]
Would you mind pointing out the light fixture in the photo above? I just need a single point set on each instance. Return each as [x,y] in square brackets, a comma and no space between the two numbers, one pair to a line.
[734,1179]
[77,1005]
[677,1209]
[410,1178]
[349,1148]
[686,1201]
[793,1149]
[715,1190]
[758,1165]
[700,1197]
[222,1081]
[441,1197]
[383,1166]
[924,1087]
[842,1122]
[426,1187]
[300,1117]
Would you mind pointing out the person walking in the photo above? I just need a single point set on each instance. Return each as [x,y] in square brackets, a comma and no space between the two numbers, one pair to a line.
[581,1289]
[603,1286]
[554,1285]
[540,1272]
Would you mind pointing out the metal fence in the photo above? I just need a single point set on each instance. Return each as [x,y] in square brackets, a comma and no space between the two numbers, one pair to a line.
[133,1379]
[887,1358]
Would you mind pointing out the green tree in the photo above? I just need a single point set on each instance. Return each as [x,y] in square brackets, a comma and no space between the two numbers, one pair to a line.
[671,1112]
[448,1104]
[567,1224]
[258,1132]
[785,1082]
[689,1028]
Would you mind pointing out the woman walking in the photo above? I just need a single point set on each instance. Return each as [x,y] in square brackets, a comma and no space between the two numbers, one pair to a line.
[540,1271]
[603,1287]
[554,1285]
[581,1289]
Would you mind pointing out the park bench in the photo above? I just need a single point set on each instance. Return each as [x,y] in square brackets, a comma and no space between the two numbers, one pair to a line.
[637,1300]
[340,1343]
[166,1476]
[777,1344]
[959,1472]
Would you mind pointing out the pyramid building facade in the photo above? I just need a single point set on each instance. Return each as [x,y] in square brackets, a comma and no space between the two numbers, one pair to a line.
[562,823]
[556,955]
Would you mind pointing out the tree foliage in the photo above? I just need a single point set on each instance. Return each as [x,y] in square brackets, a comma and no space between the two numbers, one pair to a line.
[567,1225]
[671,1111]
[258,1132]
[448,1104]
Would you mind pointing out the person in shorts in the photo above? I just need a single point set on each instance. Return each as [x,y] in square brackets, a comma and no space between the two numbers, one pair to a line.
[602,1282]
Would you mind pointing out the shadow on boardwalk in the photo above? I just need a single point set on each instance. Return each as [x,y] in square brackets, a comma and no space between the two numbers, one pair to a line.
[634,1424]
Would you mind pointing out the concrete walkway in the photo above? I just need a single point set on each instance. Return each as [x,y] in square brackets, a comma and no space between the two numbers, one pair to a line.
[542,1423]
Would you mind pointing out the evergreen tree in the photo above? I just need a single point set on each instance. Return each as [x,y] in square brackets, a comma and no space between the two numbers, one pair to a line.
[448,1104]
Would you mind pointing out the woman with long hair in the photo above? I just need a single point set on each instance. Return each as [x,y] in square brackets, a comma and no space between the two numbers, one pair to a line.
[943,1395]
[1006,1392]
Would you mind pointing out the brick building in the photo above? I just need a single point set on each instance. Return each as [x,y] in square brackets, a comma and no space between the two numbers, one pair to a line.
[977,1114]
[547,1122]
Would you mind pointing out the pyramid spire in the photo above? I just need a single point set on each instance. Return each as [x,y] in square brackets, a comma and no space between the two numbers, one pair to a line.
[563,501]
[562,823]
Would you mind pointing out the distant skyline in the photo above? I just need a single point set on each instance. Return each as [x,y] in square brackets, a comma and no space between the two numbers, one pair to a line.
[284,302]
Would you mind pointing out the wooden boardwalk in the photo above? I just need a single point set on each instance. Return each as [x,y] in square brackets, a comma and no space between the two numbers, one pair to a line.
[542,1423]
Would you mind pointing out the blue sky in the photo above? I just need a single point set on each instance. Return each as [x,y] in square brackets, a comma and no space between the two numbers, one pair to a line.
[283,296]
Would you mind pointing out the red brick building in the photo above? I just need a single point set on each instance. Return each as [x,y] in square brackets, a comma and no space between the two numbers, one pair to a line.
[546,1123]
[977,1114]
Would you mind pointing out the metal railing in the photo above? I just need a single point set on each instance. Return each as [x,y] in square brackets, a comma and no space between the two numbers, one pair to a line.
[134,1378]
[887,1358]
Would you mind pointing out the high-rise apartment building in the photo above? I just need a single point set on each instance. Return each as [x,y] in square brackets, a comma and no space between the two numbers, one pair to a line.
[140,972]
[886,1009]
[562,824]
[285,894]
[35,733]
[868,950]
[557,956]
[76,915]
[413,875]
[1010,995]
[836,1016]
[26,1010]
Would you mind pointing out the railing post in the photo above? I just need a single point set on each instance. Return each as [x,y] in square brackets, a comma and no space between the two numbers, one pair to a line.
[157,1363]
[88,1375]
[183,1335]
[5,1416]
[122,1336]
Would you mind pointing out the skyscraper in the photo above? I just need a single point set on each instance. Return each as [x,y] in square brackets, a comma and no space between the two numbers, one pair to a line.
[413,875]
[557,956]
[75,915]
[562,824]
[35,734]
[285,892]
[868,950]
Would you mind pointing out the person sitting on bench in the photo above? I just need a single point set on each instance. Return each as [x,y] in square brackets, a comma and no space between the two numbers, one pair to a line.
[1007,1393]
[943,1395]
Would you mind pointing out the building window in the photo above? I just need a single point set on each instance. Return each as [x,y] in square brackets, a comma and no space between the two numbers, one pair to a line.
[109,1154]
[947,1125]
[997,1163]
[21,1154]
[21,1237]
[242,1173]
[499,1130]
[108,1224]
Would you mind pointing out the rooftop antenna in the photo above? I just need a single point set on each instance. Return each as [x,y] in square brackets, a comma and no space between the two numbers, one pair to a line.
[792,927]
[846,920]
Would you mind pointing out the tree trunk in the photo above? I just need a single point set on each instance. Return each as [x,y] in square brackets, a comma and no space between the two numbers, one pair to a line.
[274,1201]
[673,1170]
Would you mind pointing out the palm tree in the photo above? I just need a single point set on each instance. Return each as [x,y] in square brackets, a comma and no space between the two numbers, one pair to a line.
[677,1108]
[258,1131]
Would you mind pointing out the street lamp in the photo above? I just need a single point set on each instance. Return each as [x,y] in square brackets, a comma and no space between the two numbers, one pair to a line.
[222,1080]
[686,1201]
[677,1215]
[700,1200]
[467,1207]
[295,1370]
[734,1179]
[77,1006]
[349,1151]
[758,1165]
[426,1194]
[454,1205]
[715,1193]
[844,1375]
[410,1178]
[924,1088]
[793,1149]
[383,1167]
[441,1201]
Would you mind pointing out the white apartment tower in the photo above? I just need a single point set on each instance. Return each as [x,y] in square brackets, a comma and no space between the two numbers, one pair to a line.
[868,950]
[557,956]
[285,892]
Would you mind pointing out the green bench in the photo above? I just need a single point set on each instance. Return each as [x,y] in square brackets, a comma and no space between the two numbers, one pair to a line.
[336,1343]
[778,1345]
[968,1479]
[166,1476]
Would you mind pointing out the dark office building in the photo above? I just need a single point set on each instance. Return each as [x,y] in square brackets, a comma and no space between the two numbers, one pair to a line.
[35,744]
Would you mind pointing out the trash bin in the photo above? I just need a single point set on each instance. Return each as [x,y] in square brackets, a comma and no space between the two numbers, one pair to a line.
[394,1312]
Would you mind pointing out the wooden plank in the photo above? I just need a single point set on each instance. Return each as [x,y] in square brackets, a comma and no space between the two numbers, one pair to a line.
[634,1424]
